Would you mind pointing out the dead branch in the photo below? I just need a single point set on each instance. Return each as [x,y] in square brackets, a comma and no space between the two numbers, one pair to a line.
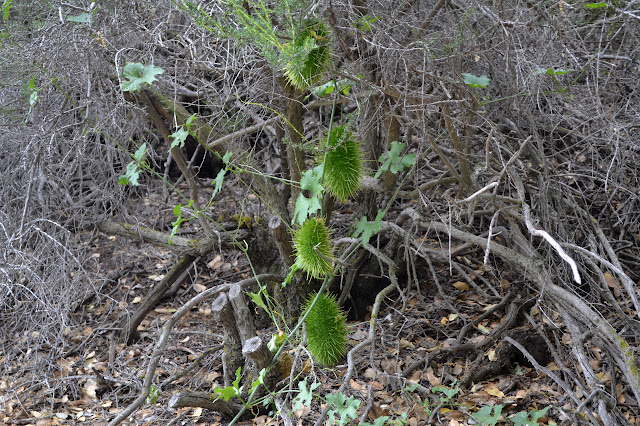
[227,409]
[193,246]
[166,332]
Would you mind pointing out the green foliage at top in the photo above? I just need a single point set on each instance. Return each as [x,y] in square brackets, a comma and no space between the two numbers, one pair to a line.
[135,75]
[342,163]
[299,46]
[596,5]
[308,56]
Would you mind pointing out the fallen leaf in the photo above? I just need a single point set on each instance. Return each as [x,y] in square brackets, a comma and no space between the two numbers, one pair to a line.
[610,281]
[136,299]
[431,377]
[493,390]
[355,385]
[90,388]
[369,373]
[404,343]
[199,287]
[461,285]
[216,262]
[491,355]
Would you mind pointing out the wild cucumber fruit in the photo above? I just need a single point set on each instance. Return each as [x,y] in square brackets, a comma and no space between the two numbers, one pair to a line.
[326,330]
[312,245]
[342,163]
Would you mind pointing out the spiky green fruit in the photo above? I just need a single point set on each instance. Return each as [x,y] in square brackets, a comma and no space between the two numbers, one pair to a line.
[326,330]
[307,57]
[342,163]
[313,248]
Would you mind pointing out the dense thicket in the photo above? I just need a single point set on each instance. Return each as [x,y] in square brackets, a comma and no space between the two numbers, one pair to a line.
[523,118]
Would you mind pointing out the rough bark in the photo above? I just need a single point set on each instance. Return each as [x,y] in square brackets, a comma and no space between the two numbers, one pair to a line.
[184,246]
[224,314]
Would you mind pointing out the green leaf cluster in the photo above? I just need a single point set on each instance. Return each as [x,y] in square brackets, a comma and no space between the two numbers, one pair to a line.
[392,160]
[475,81]
[490,416]
[135,75]
[132,173]
[230,391]
[152,398]
[345,407]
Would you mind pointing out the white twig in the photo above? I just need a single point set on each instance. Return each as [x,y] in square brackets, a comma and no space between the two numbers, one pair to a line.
[554,244]
[480,191]
[488,249]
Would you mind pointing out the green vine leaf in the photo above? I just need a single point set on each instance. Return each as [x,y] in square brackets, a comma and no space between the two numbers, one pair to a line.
[305,395]
[380,421]
[177,210]
[346,407]
[230,391]
[218,181]
[179,137]
[136,74]
[393,162]
[485,417]
[366,229]
[132,173]
[475,81]
[152,398]
[305,207]
[83,18]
